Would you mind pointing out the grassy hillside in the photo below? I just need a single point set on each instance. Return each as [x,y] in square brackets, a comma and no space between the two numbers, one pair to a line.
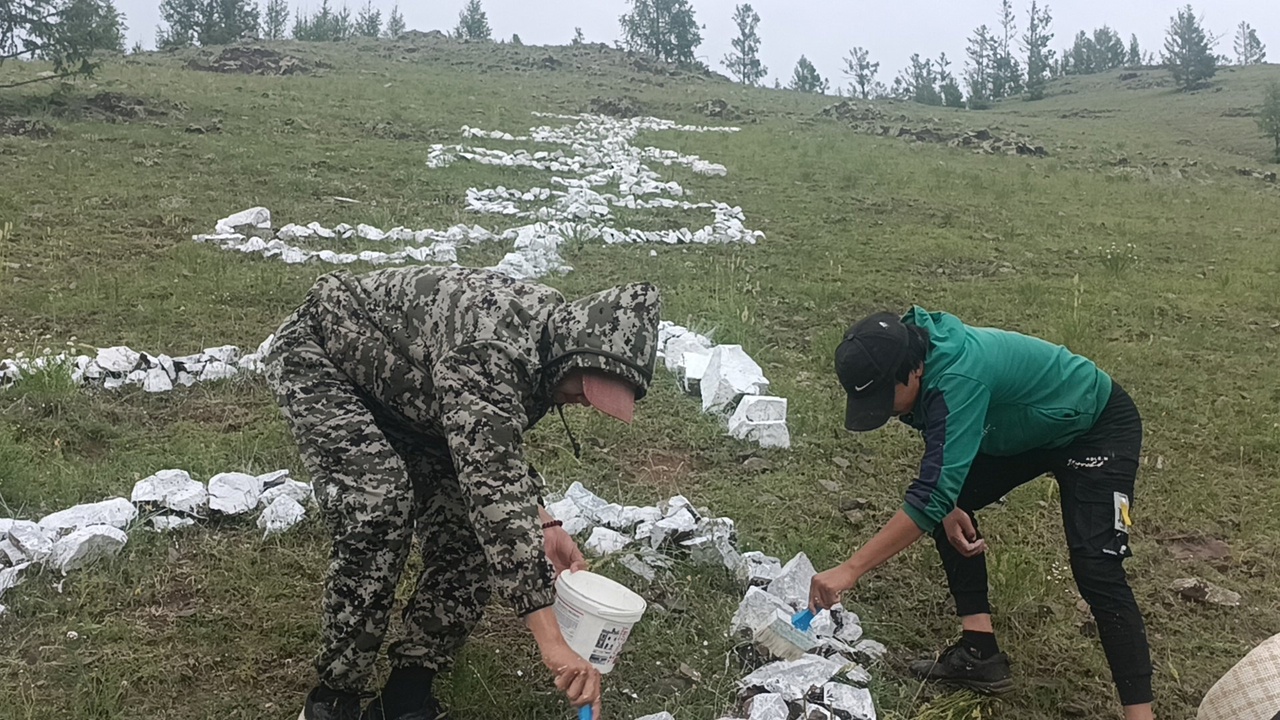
[216,622]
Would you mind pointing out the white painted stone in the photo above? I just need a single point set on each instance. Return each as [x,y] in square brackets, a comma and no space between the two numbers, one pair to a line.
[174,490]
[299,491]
[695,368]
[157,380]
[117,360]
[10,554]
[167,523]
[793,678]
[217,370]
[86,546]
[166,364]
[116,512]
[768,435]
[730,374]
[679,347]
[233,493]
[854,702]
[757,569]
[756,610]
[604,541]
[12,577]
[792,584]
[283,513]
[256,217]
[869,651]
[227,354]
[28,537]
[768,706]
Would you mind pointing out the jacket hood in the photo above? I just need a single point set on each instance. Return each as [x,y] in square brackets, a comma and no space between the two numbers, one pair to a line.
[615,331]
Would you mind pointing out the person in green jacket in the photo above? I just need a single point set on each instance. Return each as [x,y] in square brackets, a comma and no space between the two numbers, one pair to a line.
[998,409]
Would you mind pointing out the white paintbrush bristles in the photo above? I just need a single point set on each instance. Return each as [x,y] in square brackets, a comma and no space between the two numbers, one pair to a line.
[783,640]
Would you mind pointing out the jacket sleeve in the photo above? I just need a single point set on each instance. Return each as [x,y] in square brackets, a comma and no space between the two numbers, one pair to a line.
[479,388]
[956,414]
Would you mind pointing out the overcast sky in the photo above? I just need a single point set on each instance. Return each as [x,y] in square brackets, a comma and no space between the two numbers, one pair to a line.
[822,30]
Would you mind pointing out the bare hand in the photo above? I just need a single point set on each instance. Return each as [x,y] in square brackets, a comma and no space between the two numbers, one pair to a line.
[575,677]
[827,587]
[562,551]
[962,534]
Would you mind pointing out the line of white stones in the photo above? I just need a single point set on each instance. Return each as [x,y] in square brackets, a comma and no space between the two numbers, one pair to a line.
[602,155]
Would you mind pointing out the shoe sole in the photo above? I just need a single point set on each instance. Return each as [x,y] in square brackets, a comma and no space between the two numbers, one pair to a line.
[997,687]
[302,715]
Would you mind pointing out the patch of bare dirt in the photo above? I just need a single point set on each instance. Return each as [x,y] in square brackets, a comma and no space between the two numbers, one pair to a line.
[25,127]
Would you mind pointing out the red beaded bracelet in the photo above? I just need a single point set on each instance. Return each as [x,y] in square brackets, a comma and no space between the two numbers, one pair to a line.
[553,523]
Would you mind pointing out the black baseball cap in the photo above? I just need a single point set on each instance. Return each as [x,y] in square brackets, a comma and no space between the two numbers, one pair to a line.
[866,360]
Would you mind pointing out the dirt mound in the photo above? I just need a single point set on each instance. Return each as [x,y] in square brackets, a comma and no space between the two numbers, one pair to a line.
[1242,112]
[409,35]
[872,121]
[23,127]
[114,107]
[619,107]
[252,61]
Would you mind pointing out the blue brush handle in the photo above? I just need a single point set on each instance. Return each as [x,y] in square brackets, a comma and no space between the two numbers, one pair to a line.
[801,620]
[584,713]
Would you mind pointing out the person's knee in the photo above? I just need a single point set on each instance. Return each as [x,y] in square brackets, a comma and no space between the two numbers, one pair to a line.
[1103,584]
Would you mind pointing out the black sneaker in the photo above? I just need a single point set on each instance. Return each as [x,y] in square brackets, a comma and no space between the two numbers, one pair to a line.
[431,710]
[325,704]
[957,666]
[407,695]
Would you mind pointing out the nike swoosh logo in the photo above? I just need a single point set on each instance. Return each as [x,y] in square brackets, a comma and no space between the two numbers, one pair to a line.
[864,387]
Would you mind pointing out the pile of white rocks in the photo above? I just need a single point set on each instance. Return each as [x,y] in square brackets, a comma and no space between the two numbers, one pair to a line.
[600,154]
[731,385]
[78,536]
[120,366]
[826,684]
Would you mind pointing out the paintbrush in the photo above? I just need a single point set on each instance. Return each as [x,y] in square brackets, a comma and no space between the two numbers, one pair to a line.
[787,640]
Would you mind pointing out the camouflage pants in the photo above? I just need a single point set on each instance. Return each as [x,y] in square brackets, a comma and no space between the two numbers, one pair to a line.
[378,486]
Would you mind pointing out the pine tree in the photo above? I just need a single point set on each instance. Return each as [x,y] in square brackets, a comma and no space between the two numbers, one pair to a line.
[369,21]
[1110,49]
[205,22]
[1269,117]
[578,38]
[947,85]
[395,22]
[918,82]
[859,68]
[979,68]
[1135,51]
[744,62]
[68,33]
[665,29]
[473,23]
[1249,49]
[276,19]
[1006,77]
[806,78]
[324,25]
[1039,56]
[1188,51]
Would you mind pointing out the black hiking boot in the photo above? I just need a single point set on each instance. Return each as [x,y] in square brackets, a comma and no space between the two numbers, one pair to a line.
[325,704]
[408,695]
[958,666]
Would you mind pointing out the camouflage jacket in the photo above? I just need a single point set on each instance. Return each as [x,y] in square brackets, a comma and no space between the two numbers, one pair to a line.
[469,358]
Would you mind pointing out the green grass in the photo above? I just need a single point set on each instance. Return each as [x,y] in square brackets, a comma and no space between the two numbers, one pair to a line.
[216,622]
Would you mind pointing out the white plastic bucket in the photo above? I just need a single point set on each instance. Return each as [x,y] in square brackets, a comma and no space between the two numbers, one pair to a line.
[596,615]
